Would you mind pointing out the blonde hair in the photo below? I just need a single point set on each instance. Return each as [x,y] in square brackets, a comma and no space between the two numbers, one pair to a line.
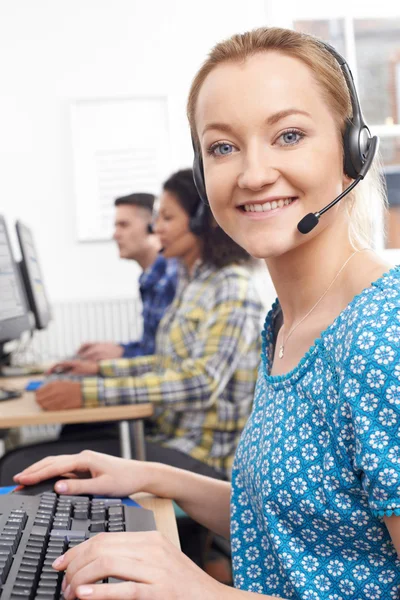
[365,204]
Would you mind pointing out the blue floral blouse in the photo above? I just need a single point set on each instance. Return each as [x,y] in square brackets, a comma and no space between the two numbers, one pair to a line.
[318,464]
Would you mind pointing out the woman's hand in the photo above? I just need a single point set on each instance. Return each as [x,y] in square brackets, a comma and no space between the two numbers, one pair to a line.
[104,474]
[152,567]
[75,367]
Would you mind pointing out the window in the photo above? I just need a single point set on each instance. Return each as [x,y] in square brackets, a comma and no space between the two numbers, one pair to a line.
[371,45]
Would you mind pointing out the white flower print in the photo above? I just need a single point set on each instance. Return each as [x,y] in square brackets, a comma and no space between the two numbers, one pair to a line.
[375,378]
[374,533]
[252,553]
[305,431]
[351,388]
[278,476]
[256,588]
[235,544]
[320,496]
[359,518]
[323,550]
[323,438]
[332,395]
[384,355]
[388,417]
[309,452]
[357,364]
[284,498]
[323,583]
[347,587]
[272,581]
[388,477]
[366,340]
[362,424]
[331,483]
[350,553]
[253,571]
[393,394]
[298,578]
[239,581]
[386,576]
[380,494]
[378,440]
[373,592]
[287,560]
[370,461]
[369,402]
[361,572]
[309,535]
[335,568]
[346,531]
[298,485]
[296,545]
[307,507]
[249,534]
[237,562]
[247,517]
[394,455]
[295,517]
[291,443]
[277,455]
[293,464]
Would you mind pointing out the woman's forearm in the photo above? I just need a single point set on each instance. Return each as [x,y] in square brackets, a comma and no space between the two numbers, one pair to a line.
[204,499]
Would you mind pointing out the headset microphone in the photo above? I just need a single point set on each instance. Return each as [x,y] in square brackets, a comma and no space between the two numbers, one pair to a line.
[308,222]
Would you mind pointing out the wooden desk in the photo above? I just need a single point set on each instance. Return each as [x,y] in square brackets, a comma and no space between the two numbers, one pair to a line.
[163,513]
[24,411]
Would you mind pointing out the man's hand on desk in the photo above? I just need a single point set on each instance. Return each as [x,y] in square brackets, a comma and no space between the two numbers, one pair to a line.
[100,351]
[60,395]
[75,367]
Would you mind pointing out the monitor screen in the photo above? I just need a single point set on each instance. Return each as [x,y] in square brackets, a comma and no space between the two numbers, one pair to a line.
[14,318]
[32,277]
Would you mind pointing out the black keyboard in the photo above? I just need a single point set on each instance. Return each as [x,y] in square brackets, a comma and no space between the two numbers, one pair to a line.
[35,530]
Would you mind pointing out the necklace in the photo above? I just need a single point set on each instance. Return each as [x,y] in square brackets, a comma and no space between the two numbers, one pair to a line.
[284,341]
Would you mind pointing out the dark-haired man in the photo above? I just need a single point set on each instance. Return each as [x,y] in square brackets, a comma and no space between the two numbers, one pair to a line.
[157,283]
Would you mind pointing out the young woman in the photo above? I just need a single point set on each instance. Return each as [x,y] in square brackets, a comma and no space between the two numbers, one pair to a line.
[202,376]
[315,491]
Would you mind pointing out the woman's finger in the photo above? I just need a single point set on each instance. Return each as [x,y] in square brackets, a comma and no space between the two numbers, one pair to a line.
[53,466]
[119,567]
[127,590]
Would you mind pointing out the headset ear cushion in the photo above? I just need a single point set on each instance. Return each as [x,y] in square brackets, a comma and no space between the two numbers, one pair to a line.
[198,176]
[348,150]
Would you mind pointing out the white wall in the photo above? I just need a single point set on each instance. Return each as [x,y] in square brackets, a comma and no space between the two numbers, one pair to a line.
[56,51]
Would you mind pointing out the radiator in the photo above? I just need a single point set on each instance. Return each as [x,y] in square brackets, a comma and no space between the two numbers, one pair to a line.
[73,323]
[117,320]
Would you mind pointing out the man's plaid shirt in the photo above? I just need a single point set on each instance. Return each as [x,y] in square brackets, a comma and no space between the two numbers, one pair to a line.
[202,376]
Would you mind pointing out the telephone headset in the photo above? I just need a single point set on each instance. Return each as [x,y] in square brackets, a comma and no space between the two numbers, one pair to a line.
[360,149]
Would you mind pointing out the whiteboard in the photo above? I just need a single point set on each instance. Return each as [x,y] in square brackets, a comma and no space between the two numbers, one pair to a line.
[119,146]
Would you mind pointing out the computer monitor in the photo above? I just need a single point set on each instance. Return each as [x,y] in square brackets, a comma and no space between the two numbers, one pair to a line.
[32,277]
[392,178]
[14,316]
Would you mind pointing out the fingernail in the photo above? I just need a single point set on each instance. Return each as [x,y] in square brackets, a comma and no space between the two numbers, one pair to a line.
[17,475]
[61,486]
[67,591]
[84,590]
[58,562]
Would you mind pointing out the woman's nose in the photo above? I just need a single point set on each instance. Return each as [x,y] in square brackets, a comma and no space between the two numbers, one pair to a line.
[257,171]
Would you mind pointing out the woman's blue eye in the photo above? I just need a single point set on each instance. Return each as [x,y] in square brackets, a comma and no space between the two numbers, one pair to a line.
[221,149]
[291,137]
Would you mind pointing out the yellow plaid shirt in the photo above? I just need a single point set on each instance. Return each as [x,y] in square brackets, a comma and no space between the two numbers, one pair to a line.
[202,376]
